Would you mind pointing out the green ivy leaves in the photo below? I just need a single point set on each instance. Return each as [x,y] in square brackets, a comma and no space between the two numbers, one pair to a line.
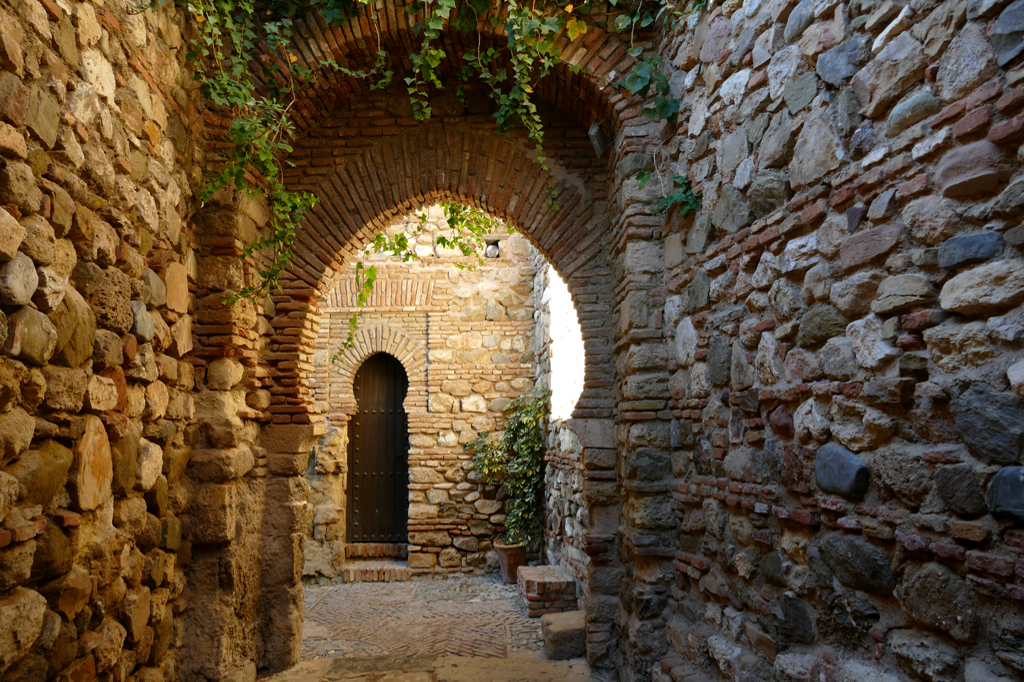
[682,195]
[247,67]
[516,461]
[642,78]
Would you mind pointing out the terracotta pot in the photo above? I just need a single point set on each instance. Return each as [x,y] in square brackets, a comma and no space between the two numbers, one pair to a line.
[510,558]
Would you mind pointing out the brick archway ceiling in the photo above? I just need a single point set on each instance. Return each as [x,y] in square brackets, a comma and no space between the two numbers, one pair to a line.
[585,96]
[365,194]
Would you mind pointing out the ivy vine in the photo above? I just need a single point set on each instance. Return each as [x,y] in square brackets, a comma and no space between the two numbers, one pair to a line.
[246,66]
[468,225]
[516,461]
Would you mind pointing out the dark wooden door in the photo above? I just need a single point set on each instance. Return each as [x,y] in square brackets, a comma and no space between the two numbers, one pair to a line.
[378,453]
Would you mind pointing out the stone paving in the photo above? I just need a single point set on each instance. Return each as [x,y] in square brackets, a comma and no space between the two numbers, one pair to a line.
[461,616]
[436,669]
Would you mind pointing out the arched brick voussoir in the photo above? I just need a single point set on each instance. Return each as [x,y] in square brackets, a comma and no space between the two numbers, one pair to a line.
[577,86]
[365,194]
[370,341]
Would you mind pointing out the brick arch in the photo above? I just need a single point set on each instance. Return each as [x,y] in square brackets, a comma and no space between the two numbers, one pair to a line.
[381,338]
[578,86]
[365,194]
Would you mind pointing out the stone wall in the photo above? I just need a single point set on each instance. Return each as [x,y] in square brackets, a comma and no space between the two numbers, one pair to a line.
[96,381]
[465,337]
[799,436]
[845,343]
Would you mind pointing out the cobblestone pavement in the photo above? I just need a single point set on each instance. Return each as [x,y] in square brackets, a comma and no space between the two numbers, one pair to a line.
[436,669]
[462,616]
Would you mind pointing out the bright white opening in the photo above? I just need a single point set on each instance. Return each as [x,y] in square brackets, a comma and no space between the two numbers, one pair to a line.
[566,348]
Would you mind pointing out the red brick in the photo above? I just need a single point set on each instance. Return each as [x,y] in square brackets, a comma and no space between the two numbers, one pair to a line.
[914,186]
[813,212]
[923,319]
[1011,101]
[848,523]
[1007,131]
[990,563]
[972,122]
[53,9]
[757,80]
[984,93]
[803,516]
[950,112]
[955,552]
[832,503]
[869,179]
[841,197]
[962,530]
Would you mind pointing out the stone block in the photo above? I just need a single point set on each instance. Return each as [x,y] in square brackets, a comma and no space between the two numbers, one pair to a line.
[223,374]
[977,168]
[214,514]
[868,245]
[1008,33]
[839,471]
[21,612]
[176,281]
[564,634]
[75,323]
[988,288]
[935,596]
[969,249]
[18,186]
[12,234]
[18,280]
[93,467]
[895,69]
[1006,493]
[991,423]
[902,292]
[42,472]
[857,563]
[16,430]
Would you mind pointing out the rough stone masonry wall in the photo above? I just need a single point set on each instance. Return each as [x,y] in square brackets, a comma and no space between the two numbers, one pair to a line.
[465,337]
[847,394]
[96,177]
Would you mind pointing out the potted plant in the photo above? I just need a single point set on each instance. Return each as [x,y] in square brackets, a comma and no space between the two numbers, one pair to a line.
[516,462]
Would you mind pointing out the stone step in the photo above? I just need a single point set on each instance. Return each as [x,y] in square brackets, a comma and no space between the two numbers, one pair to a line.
[565,635]
[375,572]
[376,550]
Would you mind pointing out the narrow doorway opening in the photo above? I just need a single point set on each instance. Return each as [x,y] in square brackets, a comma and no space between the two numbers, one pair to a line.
[378,454]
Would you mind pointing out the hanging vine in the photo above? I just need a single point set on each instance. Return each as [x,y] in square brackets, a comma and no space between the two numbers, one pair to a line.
[246,66]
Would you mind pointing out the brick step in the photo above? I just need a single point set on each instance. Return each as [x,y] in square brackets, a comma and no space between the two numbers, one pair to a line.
[375,572]
[376,550]
[546,589]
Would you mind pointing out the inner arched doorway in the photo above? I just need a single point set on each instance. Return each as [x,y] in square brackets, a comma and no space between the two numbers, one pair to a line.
[378,452]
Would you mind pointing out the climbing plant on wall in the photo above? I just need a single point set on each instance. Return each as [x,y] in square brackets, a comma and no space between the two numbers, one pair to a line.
[245,65]
[516,462]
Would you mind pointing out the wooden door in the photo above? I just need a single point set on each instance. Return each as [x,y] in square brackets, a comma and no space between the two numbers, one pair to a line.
[378,454]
